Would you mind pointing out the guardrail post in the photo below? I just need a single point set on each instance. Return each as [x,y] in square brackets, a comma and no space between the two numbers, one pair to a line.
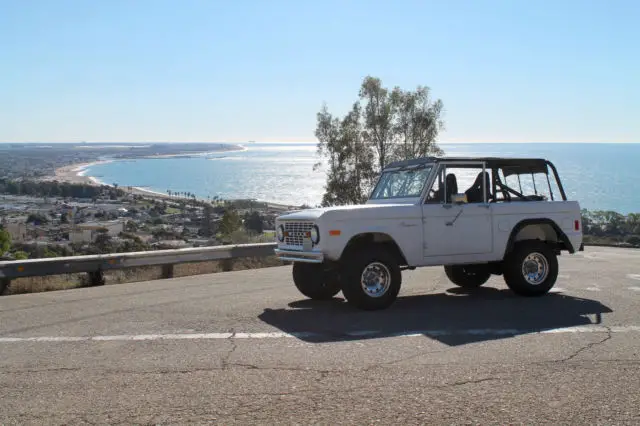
[226,265]
[4,285]
[167,271]
[96,278]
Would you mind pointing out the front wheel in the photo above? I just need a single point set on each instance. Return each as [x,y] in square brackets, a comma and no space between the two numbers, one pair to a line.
[467,276]
[531,269]
[372,279]
[316,281]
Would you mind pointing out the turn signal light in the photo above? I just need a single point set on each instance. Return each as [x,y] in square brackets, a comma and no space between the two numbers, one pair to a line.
[334,232]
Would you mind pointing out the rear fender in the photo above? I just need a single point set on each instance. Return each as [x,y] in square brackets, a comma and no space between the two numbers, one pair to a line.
[539,229]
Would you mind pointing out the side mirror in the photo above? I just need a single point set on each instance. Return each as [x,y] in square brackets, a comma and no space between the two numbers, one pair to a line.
[459,199]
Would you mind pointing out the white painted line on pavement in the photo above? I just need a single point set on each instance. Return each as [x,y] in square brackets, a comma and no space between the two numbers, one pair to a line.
[557,290]
[634,276]
[279,335]
[592,289]
[634,288]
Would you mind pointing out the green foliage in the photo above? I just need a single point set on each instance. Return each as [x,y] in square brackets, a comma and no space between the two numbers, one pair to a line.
[57,189]
[132,243]
[607,225]
[20,255]
[37,219]
[254,222]
[5,241]
[382,126]
[634,240]
[607,222]
[131,226]
[47,252]
[37,251]
[230,222]
[239,236]
[165,234]
[207,226]
[103,242]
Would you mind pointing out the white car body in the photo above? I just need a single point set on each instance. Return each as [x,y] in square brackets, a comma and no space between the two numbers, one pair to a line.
[430,234]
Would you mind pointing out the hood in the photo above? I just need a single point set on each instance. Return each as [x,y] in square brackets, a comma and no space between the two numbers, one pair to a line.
[316,213]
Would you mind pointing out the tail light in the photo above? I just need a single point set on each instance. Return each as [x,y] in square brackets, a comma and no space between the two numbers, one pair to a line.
[576,225]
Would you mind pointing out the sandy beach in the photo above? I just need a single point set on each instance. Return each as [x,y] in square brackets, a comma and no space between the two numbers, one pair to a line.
[73,174]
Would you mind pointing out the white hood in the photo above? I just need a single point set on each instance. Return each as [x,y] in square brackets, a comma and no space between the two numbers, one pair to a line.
[316,213]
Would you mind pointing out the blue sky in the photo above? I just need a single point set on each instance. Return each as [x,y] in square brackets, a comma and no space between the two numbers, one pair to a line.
[156,70]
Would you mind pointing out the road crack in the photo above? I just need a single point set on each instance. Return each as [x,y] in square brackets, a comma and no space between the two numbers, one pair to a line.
[589,346]
[43,370]
[225,360]
[403,359]
[469,382]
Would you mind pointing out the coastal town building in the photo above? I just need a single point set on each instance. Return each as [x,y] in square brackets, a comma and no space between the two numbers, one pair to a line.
[17,231]
[87,232]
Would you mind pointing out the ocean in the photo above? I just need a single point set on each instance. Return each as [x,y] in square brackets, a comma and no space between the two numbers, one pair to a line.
[599,176]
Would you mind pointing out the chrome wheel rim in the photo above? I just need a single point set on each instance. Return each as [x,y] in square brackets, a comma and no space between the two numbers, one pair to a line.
[535,268]
[375,279]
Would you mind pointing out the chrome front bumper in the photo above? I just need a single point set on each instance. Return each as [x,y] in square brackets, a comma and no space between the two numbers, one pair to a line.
[299,256]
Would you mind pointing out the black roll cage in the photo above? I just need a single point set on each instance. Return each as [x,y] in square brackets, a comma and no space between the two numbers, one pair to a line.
[509,167]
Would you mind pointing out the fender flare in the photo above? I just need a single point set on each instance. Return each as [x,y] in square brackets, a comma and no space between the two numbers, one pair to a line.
[366,238]
[526,222]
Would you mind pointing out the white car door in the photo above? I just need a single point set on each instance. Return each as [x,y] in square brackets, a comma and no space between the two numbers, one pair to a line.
[458,231]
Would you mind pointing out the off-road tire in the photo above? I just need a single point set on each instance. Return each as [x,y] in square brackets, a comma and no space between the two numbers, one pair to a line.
[315,281]
[467,276]
[354,267]
[514,263]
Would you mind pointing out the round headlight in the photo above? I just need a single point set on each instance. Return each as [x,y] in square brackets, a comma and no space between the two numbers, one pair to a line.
[315,234]
[280,233]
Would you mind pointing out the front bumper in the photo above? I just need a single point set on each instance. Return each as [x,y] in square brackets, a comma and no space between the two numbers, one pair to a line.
[299,256]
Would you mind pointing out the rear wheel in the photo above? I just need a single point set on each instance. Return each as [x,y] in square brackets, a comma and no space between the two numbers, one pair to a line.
[531,269]
[467,276]
[316,281]
[372,279]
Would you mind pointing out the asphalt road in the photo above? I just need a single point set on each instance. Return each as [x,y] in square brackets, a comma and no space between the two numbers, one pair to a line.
[246,347]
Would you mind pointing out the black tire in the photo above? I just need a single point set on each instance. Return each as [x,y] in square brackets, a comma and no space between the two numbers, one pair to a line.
[316,281]
[543,259]
[467,276]
[374,259]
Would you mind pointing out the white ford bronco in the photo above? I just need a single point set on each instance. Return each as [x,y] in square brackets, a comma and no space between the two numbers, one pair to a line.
[474,216]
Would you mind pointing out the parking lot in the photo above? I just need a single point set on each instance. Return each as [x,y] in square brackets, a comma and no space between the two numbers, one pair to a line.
[246,347]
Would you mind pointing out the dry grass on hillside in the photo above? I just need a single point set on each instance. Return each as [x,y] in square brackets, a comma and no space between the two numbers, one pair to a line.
[68,281]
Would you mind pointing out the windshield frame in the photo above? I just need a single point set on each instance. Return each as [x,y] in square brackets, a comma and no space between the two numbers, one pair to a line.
[386,175]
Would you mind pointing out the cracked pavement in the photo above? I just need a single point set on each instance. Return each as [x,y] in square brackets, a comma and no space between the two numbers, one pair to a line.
[439,355]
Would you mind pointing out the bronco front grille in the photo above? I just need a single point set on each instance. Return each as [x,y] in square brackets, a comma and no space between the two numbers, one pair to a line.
[294,231]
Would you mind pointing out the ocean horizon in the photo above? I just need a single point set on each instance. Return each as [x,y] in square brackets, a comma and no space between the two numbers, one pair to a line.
[598,175]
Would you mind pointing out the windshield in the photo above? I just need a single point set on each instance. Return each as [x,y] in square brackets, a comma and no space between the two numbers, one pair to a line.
[405,183]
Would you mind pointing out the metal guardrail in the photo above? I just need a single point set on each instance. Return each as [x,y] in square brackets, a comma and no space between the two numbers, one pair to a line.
[95,265]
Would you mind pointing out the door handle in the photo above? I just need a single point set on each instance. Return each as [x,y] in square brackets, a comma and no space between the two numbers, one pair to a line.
[407,225]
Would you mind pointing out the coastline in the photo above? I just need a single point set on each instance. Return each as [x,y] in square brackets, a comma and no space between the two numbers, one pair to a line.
[74,173]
